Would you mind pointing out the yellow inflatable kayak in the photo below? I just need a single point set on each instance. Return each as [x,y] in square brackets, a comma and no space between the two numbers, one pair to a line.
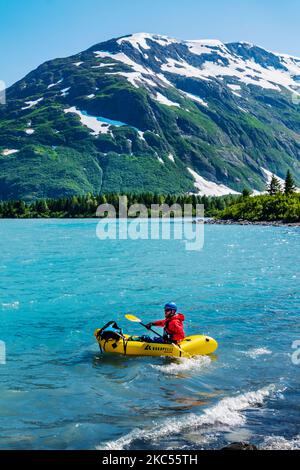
[197,345]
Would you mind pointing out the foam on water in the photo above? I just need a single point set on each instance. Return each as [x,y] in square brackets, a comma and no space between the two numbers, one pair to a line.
[281,443]
[184,364]
[10,305]
[253,353]
[227,412]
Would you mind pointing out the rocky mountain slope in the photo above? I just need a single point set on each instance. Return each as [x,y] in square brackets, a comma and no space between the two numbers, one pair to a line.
[152,113]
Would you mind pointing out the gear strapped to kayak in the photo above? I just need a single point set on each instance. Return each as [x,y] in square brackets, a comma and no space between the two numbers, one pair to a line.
[109,333]
[112,340]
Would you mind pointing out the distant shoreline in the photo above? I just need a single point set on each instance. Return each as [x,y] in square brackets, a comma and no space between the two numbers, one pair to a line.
[274,223]
[205,221]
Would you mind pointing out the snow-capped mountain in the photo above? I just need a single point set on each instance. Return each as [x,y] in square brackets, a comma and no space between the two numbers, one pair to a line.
[149,112]
[206,60]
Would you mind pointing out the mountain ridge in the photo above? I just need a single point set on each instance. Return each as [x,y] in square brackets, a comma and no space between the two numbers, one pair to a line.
[149,112]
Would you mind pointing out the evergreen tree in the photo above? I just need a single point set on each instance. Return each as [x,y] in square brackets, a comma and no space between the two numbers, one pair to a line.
[289,186]
[20,208]
[274,187]
[246,192]
[41,207]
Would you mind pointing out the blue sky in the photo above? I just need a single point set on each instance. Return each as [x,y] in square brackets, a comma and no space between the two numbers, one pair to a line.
[33,31]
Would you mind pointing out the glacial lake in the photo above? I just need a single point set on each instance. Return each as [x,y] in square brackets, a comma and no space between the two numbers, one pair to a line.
[59,283]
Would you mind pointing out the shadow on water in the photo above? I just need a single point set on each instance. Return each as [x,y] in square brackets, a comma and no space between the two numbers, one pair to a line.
[116,360]
[99,359]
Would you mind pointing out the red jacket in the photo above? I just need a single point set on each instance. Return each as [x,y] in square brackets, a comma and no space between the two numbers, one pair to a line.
[173,327]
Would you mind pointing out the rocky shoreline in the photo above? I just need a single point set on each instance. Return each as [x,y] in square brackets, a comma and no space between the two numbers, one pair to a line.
[277,223]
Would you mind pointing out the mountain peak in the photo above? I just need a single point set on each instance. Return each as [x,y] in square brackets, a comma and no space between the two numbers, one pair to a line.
[135,111]
[208,42]
[139,40]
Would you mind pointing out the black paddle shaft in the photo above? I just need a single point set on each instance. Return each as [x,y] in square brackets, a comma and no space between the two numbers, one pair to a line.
[157,334]
[153,331]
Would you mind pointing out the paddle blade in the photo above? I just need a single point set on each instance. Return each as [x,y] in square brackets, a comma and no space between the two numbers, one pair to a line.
[133,318]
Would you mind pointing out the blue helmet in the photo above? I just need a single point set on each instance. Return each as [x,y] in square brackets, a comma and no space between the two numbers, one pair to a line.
[171,306]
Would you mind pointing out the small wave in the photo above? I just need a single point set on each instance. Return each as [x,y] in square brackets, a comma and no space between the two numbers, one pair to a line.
[253,353]
[281,443]
[183,365]
[227,411]
[11,305]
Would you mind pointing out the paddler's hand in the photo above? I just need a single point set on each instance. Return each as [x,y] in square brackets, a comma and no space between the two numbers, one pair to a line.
[149,325]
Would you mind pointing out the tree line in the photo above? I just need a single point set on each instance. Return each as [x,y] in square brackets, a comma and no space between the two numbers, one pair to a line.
[279,203]
[85,206]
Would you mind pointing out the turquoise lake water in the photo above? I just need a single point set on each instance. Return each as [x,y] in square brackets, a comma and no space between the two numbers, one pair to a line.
[112,122]
[59,282]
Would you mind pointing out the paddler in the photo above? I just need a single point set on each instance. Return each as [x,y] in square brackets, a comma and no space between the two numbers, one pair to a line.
[172,324]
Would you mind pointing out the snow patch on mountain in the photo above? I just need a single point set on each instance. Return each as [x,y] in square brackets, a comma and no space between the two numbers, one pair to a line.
[234,87]
[163,79]
[139,40]
[121,57]
[164,100]
[105,64]
[98,124]
[181,67]
[268,176]
[141,135]
[29,131]
[205,46]
[137,76]
[54,84]
[223,63]
[164,40]
[171,157]
[92,122]
[209,188]
[292,63]
[30,104]
[7,152]
[195,98]
[64,91]
[228,64]
[254,74]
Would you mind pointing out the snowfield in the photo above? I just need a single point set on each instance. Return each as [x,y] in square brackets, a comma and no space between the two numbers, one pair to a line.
[195,98]
[139,40]
[223,63]
[29,131]
[163,100]
[268,175]
[91,122]
[209,188]
[54,84]
[98,124]
[7,152]
[30,104]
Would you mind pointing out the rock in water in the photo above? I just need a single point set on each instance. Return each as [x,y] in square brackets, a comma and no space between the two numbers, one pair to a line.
[240,446]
